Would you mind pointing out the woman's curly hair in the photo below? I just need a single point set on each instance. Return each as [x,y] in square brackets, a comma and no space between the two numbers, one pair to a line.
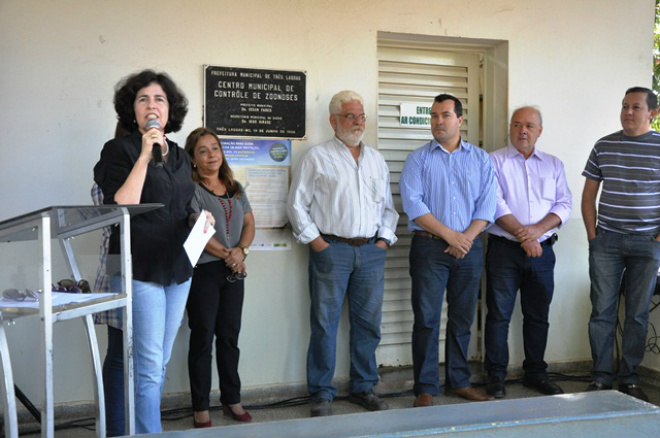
[127,89]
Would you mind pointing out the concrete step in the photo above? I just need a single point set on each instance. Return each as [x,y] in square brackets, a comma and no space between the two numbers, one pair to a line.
[600,414]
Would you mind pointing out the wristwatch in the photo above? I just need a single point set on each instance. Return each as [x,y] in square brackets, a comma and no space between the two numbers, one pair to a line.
[245,251]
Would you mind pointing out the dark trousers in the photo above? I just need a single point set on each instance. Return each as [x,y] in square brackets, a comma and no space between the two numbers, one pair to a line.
[214,309]
[509,269]
[113,384]
[432,271]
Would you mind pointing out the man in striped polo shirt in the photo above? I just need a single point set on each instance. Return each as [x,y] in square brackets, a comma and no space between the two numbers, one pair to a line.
[624,239]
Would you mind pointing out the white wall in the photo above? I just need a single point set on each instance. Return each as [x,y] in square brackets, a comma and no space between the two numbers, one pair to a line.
[61,60]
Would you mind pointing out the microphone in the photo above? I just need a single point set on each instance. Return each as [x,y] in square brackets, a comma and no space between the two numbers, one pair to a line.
[156,151]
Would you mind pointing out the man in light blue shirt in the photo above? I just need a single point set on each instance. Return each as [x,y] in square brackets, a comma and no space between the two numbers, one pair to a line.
[448,191]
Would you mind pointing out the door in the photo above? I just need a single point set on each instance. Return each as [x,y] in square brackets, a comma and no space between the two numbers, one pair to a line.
[410,74]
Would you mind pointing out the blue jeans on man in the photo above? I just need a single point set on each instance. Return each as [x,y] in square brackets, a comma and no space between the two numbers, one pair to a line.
[509,269]
[432,271]
[610,255]
[338,271]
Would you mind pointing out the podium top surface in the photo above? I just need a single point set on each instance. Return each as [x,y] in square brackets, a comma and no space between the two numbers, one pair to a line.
[66,217]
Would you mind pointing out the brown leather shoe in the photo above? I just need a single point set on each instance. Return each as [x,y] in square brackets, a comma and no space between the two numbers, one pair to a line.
[423,400]
[470,393]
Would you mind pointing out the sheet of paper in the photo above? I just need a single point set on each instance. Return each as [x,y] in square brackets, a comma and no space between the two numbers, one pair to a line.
[197,240]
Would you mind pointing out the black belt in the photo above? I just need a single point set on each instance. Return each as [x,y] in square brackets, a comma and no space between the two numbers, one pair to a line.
[426,234]
[353,241]
[547,242]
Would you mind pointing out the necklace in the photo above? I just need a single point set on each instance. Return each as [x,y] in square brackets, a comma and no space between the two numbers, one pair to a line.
[228,213]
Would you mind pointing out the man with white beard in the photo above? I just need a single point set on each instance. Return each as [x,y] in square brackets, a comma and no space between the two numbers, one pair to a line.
[340,204]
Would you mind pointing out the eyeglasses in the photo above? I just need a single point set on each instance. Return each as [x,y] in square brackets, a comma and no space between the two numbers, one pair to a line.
[352,117]
[19,295]
[236,276]
[68,285]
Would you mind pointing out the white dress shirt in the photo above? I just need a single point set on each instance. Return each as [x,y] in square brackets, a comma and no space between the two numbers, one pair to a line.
[332,194]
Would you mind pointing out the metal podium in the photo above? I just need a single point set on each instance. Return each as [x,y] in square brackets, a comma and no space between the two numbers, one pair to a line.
[64,223]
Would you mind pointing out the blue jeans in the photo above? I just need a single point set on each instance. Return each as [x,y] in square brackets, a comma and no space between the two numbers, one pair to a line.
[357,272]
[432,271]
[610,254]
[509,269]
[157,315]
[165,306]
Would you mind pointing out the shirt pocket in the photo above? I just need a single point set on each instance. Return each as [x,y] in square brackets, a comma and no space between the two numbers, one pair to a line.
[548,189]
[377,189]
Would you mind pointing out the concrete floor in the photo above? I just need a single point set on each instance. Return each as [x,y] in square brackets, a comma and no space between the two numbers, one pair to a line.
[394,387]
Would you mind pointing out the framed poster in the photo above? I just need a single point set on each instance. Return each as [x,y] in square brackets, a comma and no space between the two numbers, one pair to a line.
[264,168]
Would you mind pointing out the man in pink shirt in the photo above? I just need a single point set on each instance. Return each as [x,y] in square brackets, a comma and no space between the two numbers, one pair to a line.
[533,201]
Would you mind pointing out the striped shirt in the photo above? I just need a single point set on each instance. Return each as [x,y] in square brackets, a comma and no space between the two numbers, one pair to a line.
[456,188]
[332,194]
[629,168]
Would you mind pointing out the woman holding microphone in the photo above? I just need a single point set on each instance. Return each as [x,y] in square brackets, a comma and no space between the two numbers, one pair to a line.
[150,105]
